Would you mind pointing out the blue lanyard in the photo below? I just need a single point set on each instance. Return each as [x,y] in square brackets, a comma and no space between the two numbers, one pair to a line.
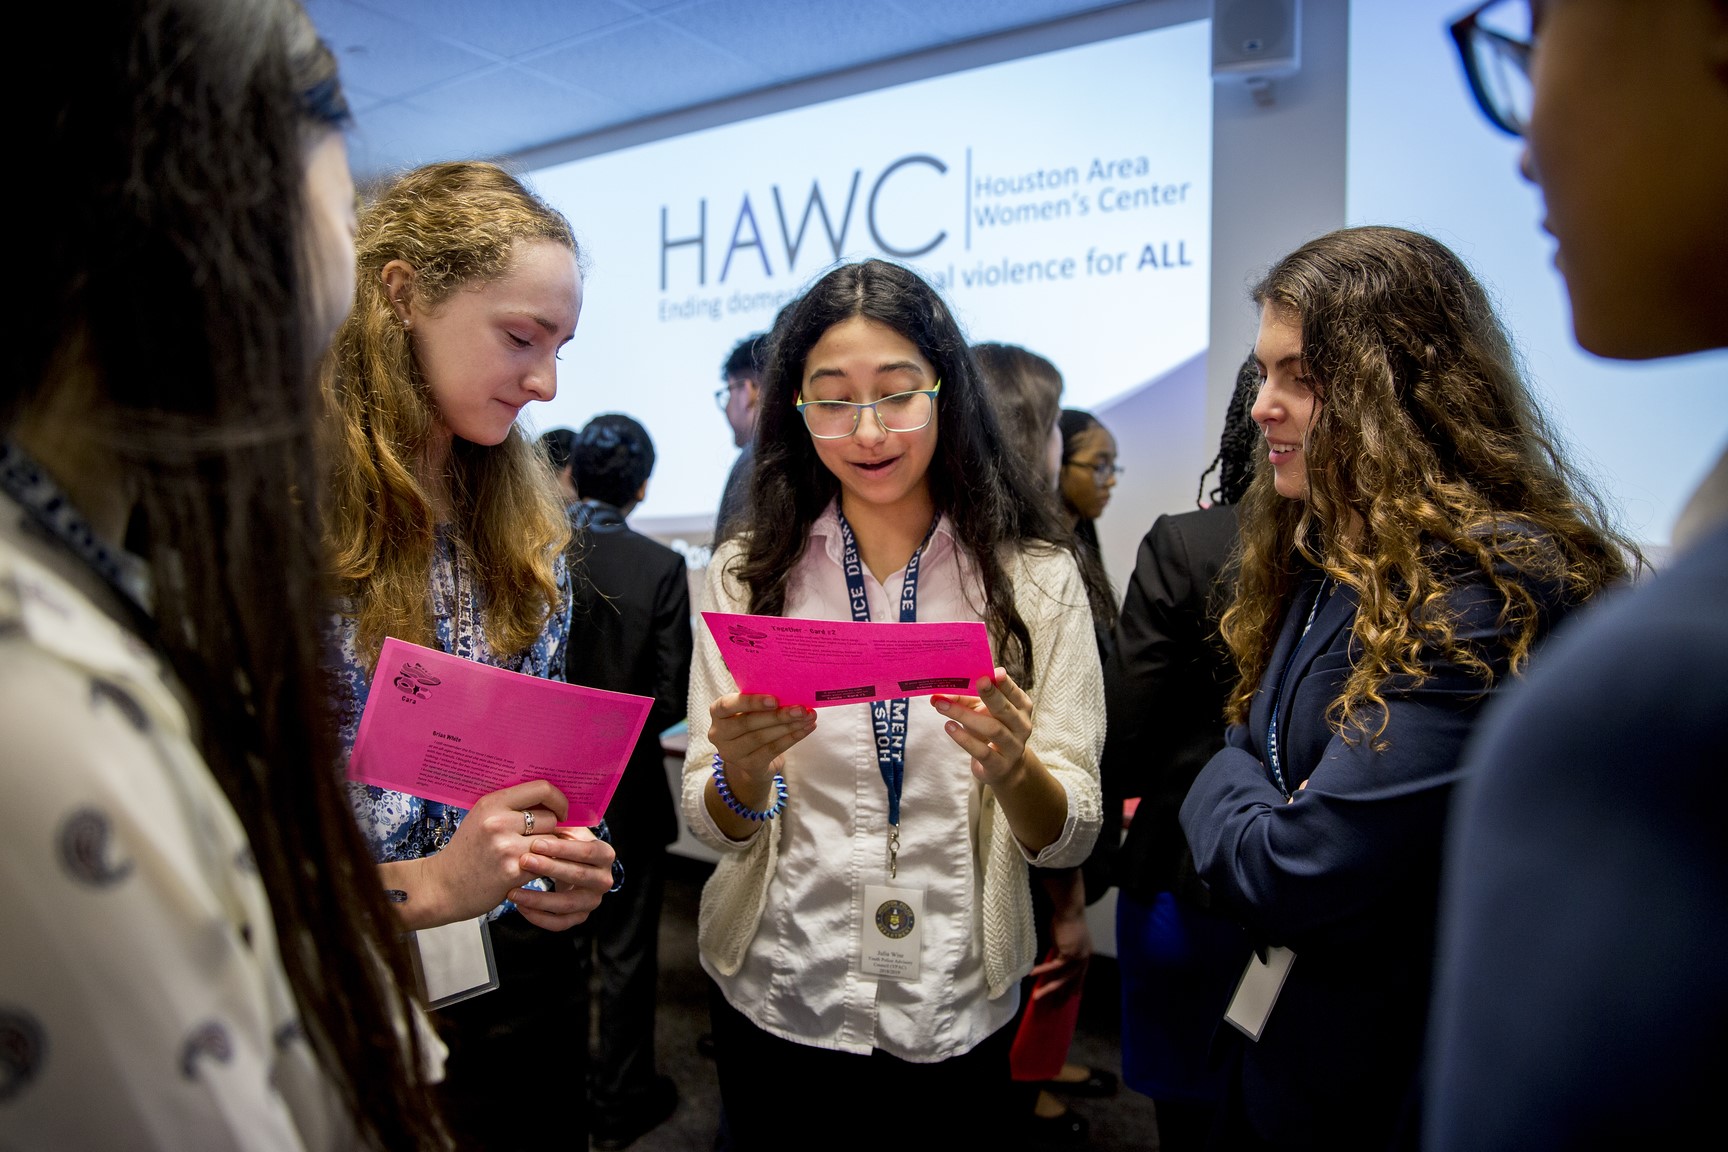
[889,716]
[1278,690]
[24,480]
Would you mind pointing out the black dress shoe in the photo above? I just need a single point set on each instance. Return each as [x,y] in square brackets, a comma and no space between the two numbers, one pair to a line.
[1070,1129]
[1099,1083]
[612,1133]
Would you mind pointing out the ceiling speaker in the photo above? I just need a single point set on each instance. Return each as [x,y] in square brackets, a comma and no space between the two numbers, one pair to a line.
[1256,39]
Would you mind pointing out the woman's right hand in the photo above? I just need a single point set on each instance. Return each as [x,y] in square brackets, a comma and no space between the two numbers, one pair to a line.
[751,734]
[477,870]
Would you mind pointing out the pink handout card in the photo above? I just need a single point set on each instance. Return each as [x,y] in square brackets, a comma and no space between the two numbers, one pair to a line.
[820,663]
[451,730]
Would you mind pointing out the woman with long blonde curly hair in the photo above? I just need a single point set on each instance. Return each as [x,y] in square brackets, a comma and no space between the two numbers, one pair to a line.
[447,530]
[1412,537]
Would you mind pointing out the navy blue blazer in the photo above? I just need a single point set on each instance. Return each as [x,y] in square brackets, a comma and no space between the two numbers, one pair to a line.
[1344,872]
[1581,1000]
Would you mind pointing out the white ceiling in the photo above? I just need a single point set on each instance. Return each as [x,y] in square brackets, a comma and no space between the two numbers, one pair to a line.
[444,79]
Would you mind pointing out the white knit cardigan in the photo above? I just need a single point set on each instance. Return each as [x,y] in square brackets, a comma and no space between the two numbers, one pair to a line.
[1067,735]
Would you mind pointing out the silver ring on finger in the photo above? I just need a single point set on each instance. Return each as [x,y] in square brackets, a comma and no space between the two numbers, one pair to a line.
[527,821]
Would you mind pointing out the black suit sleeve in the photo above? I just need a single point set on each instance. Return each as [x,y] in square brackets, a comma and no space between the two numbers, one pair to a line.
[673,643]
[1153,645]
[1165,683]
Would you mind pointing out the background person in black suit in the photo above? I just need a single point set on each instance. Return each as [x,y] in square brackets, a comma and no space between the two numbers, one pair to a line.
[1165,685]
[1412,540]
[629,632]
[1580,999]
[742,374]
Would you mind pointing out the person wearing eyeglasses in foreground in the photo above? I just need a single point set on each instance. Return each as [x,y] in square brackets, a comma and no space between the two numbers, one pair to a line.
[901,500]
[1580,1000]
[1409,539]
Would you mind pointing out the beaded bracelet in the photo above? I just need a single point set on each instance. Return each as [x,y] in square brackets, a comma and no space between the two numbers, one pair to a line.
[733,802]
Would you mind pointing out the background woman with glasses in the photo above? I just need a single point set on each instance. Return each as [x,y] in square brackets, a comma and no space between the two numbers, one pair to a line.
[1089,472]
[894,496]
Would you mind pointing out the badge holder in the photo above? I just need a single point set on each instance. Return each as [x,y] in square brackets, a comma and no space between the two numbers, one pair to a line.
[453,962]
[893,932]
[1258,990]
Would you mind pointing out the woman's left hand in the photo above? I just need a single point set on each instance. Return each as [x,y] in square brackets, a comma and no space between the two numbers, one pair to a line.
[1070,935]
[579,864]
[992,726]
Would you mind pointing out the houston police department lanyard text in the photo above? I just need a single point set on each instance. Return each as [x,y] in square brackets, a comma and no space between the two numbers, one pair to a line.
[889,715]
[1278,690]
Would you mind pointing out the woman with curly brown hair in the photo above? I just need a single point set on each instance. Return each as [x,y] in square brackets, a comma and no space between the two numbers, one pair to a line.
[447,530]
[1411,539]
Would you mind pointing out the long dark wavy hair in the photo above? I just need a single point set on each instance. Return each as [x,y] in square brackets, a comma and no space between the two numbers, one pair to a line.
[976,478]
[1026,390]
[1427,438]
[170,292]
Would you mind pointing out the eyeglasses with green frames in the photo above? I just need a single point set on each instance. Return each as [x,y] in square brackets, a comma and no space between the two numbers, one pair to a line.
[901,412]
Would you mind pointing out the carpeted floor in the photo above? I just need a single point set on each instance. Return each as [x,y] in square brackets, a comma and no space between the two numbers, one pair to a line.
[1124,1121]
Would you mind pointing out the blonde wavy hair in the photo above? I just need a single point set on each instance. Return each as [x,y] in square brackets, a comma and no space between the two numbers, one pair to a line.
[1428,438]
[457,225]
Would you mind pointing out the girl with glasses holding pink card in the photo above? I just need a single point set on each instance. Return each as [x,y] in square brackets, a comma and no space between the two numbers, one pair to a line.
[869,922]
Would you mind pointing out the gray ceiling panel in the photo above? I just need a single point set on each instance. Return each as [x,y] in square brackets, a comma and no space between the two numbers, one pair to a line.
[433,79]
[518,108]
[789,40]
[514,28]
[654,67]
[387,56]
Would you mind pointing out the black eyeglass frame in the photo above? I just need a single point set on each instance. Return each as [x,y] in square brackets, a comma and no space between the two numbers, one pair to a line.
[1101,471]
[1465,31]
[723,396]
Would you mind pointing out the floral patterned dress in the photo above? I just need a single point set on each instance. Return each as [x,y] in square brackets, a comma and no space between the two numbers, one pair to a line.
[403,827]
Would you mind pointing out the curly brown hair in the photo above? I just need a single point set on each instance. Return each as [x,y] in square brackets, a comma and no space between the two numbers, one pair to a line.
[1428,461]
[457,224]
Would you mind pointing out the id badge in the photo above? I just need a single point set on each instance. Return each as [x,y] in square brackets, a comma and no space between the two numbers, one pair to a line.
[453,962]
[1258,990]
[893,932]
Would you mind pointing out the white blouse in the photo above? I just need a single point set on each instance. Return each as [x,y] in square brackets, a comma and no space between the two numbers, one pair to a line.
[780,923]
[142,1002]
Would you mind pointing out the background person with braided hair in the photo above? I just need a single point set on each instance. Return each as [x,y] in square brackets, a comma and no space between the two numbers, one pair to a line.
[1165,685]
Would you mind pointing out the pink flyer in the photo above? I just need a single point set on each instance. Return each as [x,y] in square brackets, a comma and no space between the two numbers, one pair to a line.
[447,729]
[820,663]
